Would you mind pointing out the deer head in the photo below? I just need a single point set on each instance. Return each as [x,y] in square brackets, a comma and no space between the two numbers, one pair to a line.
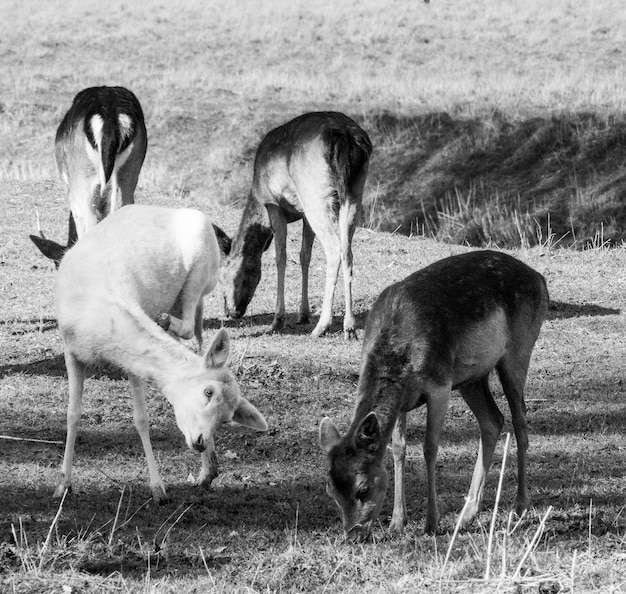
[357,479]
[207,400]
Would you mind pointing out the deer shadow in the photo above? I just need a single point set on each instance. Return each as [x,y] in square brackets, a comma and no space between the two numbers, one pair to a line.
[560,310]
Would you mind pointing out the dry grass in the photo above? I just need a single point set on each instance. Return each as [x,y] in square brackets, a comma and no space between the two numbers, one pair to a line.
[267,524]
[213,77]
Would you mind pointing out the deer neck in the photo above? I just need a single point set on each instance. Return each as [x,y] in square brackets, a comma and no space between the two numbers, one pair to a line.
[141,348]
[255,230]
[382,390]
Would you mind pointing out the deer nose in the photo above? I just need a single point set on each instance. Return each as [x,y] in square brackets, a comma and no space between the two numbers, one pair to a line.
[198,445]
[358,533]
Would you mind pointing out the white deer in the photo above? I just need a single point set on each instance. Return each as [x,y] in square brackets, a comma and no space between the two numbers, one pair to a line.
[100,146]
[143,263]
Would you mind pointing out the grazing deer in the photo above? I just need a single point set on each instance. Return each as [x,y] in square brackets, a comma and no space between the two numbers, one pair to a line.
[311,168]
[444,327]
[100,147]
[141,264]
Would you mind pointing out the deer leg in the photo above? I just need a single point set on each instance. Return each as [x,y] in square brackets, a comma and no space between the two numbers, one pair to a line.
[76,377]
[308,236]
[140,417]
[512,375]
[437,406]
[199,323]
[481,403]
[209,469]
[331,245]
[347,224]
[398,448]
[80,199]
[279,227]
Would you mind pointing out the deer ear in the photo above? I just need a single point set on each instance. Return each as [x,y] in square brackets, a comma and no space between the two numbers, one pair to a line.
[368,433]
[248,415]
[223,241]
[217,355]
[50,249]
[329,436]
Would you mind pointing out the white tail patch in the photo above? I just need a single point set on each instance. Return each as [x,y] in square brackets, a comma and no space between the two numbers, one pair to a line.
[126,125]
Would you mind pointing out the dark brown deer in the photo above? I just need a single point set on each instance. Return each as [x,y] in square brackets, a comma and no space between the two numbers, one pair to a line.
[100,147]
[312,168]
[444,327]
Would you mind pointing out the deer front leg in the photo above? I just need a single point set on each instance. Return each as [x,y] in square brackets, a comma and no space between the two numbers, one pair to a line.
[140,416]
[279,227]
[76,377]
[437,405]
[398,448]
[308,236]
[209,469]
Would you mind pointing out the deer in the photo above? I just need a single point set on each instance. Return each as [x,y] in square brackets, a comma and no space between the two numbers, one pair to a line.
[312,168]
[135,279]
[444,327]
[100,147]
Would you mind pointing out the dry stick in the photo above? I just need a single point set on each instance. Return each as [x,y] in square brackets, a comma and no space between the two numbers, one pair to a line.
[164,541]
[456,531]
[495,507]
[533,543]
[206,566]
[504,545]
[54,522]
[117,515]
[11,438]
[589,536]
[572,573]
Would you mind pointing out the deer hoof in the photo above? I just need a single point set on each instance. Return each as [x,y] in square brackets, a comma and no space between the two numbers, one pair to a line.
[164,321]
[159,497]
[277,325]
[304,318]
[61,489]
[350,334]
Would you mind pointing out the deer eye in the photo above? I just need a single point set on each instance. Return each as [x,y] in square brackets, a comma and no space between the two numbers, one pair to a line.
[208,392]
[361,492]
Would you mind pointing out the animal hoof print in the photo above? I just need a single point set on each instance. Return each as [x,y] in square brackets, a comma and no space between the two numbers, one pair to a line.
[163,320]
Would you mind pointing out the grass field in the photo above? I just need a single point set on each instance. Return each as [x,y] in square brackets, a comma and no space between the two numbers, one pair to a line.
[213,78]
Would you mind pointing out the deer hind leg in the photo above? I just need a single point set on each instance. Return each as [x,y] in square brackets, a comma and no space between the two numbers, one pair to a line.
[347,224]
[481,403]
[308,237]
[437,404]
[398,448]
[512,371]
[76,377]
[189,306]
[140,416]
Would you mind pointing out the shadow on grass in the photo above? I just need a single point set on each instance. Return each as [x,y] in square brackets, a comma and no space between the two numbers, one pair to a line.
[55,367]
[559,310]
[34,326]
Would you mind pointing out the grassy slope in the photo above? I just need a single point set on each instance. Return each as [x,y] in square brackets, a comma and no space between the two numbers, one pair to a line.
[212,80]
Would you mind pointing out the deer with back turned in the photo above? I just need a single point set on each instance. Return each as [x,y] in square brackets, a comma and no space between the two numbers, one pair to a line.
[100,146]
[311,168]
[444,327]
[142,271]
